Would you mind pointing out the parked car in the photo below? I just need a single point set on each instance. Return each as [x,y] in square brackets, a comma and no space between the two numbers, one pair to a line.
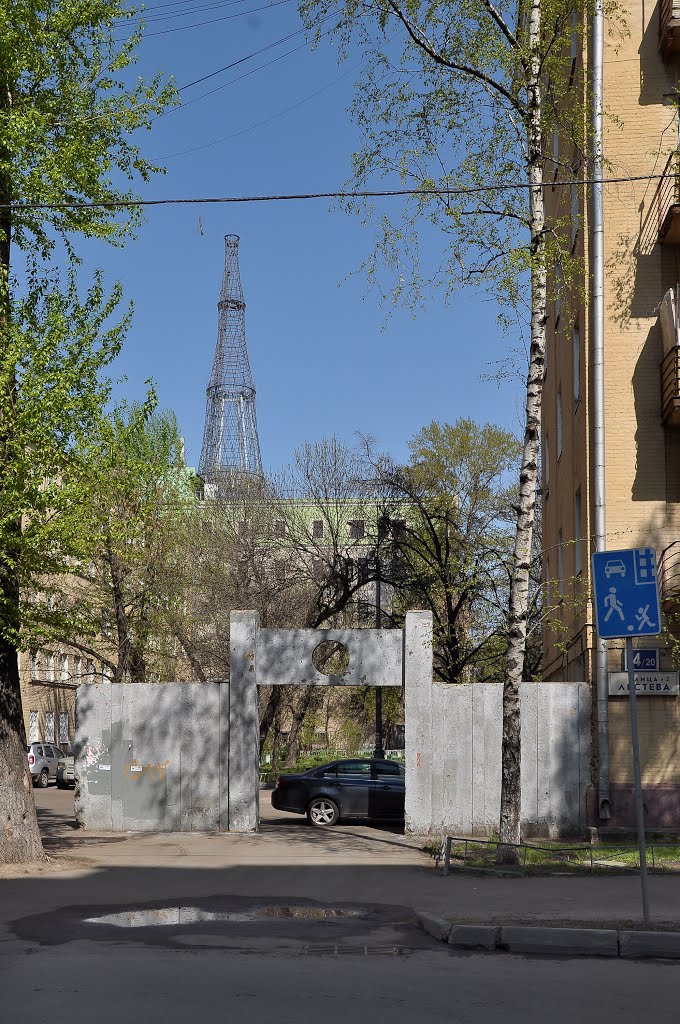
[42,762]
[343,789]
[66,772]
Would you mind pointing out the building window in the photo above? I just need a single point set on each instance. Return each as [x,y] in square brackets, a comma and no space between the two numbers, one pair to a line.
[559,423]
[49,727]
[49,666]
[548,592]
[33,727]
[573,43]
[317,529]
[363,570]
[546,461]
[578,533]
[35,665]
[77,670]
[573,199]
[357,529]
[89,672]
[560,566]
[576,345]
[559,287]
[398,528]
[63,668]
[63,727]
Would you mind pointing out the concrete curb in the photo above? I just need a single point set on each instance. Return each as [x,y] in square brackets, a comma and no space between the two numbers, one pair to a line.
[545,941]
[561,941]
[637,945]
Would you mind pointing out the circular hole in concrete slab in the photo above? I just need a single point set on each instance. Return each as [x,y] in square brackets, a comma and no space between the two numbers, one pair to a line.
[330,658]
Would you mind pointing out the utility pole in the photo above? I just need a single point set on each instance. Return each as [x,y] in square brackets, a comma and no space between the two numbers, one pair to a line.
[379,752]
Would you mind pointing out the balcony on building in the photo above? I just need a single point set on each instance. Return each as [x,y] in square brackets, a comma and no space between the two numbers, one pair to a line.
[668,576]
[668,202]
[670,363]
[669,27]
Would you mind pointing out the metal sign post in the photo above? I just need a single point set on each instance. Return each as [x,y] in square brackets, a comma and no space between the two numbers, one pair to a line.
[627,604]
[639,807]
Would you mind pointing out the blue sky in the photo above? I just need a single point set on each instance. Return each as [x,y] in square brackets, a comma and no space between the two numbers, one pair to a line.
[325,357]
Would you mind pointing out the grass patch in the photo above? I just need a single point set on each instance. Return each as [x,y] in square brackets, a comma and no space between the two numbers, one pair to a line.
[548,857]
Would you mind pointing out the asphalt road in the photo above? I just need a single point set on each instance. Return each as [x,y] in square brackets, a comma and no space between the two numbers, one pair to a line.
[82,982]
[109,944]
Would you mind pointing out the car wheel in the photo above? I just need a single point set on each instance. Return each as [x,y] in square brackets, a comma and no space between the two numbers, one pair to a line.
[43,779]
[322,811]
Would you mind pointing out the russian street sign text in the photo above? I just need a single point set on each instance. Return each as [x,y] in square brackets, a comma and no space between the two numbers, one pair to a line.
[647,684]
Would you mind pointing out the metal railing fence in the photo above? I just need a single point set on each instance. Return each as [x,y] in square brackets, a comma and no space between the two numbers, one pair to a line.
[594,856]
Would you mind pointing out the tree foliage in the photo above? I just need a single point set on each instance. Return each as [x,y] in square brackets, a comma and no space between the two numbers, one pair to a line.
[69,109]
[476,106]
[138,494]
[448,540]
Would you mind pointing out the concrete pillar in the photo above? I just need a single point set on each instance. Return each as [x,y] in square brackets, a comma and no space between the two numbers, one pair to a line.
[244,738]
[418,713]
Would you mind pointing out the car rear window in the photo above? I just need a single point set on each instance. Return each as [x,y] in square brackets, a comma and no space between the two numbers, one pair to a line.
[385,770]
[354,769]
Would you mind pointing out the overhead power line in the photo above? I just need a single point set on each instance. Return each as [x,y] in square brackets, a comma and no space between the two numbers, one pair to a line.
[211,21]
[189,10]
[260,124]
[342,194]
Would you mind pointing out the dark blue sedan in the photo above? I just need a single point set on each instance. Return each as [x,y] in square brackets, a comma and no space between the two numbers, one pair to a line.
[343,789]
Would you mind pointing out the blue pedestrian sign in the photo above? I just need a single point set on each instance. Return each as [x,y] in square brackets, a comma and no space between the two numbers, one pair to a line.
[625,593]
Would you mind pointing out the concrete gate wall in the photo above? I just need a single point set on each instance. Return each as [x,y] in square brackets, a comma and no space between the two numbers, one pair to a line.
[153,758]
[184,757]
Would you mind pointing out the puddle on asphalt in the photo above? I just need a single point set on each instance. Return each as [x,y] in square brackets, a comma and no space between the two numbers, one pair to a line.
[189,915]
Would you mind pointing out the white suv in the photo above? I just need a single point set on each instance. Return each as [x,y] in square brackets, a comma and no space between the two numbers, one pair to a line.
[42,762]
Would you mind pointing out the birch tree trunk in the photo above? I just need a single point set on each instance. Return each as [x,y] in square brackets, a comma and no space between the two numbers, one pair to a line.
[519,584]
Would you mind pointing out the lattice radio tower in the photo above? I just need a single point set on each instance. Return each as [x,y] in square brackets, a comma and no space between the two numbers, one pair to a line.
[230,457]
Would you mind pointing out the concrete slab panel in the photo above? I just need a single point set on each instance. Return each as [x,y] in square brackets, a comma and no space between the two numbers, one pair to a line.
[244,739]
[417,638]
[284,657]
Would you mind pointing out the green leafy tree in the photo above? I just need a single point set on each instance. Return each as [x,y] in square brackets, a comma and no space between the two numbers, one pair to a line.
[139,492]
[67,140]
[461,102]
[449,540]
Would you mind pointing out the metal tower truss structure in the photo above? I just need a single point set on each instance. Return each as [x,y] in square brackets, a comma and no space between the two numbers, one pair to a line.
[230,456]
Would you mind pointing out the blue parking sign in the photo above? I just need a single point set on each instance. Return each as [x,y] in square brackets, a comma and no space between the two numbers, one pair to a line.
[625,593]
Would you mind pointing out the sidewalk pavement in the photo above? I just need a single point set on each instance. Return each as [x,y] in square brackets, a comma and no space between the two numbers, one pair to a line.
[287,859]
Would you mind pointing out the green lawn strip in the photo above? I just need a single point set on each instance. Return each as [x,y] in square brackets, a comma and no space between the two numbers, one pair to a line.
[561,856]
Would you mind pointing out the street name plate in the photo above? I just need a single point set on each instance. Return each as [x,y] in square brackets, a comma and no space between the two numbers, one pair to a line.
[647,684]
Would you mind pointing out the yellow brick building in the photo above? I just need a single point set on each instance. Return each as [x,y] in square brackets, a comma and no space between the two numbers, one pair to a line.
[641,431]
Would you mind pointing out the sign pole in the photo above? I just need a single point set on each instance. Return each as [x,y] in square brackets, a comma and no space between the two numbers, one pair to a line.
[640,811]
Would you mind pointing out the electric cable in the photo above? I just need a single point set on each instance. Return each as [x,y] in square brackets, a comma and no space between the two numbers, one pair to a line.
[212,21]
[340,194]
[259,124]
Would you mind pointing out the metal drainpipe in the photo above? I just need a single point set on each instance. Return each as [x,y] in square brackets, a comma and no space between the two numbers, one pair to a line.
[598,398]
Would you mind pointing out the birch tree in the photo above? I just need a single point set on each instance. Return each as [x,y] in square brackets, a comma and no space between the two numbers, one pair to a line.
[462,102]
